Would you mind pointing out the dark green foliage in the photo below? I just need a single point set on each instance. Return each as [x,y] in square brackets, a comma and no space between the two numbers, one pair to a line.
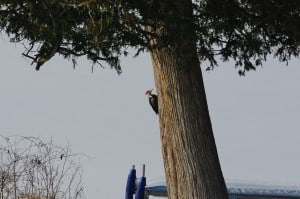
[69,28]
[246,31]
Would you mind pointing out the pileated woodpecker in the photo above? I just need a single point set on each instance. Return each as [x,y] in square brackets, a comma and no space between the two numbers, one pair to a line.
[152,100]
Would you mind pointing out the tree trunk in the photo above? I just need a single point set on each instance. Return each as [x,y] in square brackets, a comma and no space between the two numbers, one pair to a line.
[190,156]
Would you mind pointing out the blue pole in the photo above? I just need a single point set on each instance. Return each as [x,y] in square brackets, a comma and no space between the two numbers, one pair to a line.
[130,186]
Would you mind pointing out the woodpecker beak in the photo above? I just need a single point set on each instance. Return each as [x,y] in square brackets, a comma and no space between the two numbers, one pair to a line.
[148,92]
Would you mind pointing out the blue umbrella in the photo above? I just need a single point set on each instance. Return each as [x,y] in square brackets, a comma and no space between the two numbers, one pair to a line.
[130,186]
[140,191]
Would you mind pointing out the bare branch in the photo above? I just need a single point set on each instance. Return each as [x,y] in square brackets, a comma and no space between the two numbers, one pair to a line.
[32,168]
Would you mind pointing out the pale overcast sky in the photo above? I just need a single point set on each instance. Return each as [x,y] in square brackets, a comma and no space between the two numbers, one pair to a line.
[106,116]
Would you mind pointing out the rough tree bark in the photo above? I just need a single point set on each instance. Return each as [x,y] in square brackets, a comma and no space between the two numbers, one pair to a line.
[189,151]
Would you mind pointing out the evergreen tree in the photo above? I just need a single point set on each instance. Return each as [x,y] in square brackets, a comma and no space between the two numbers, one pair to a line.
[179,35]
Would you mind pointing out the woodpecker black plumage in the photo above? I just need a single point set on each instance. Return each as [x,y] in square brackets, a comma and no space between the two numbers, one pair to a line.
[153,101]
